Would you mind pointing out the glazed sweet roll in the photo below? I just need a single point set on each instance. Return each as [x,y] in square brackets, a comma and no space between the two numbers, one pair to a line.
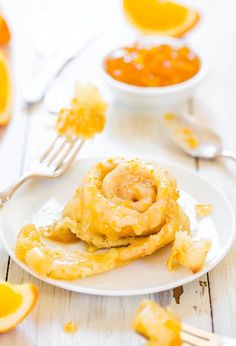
[123,210]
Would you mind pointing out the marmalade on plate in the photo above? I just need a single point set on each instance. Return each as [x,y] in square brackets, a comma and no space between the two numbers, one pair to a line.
[152,66]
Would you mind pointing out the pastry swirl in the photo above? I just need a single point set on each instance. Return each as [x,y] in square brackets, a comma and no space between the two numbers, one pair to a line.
[126,209]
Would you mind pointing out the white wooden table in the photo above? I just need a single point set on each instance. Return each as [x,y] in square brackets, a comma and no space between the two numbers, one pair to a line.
[209,303]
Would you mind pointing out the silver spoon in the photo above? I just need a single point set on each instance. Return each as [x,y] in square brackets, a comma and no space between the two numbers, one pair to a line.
[194,138]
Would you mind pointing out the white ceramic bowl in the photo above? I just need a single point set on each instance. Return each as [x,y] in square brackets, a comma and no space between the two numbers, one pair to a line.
[162,98]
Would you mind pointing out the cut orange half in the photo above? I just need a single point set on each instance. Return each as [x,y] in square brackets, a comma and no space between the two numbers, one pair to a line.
[16,301]
[5,91]
[160,16]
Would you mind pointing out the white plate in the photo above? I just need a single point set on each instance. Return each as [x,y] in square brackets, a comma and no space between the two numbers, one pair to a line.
[143,276]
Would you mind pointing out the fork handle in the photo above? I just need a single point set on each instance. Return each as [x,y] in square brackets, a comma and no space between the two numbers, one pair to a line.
[6,194]
[228,154]
[34,92]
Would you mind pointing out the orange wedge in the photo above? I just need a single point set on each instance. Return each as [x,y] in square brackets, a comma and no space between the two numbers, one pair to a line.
[16,302]
[5,91]
[160,16]
[5,35]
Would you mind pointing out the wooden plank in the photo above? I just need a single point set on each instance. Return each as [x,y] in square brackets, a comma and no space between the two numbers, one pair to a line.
[102,320]
[223,277]
[12,137]
[216,105]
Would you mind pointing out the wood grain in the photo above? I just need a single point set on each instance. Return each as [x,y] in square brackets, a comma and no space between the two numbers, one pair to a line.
[215,103]
[106,320]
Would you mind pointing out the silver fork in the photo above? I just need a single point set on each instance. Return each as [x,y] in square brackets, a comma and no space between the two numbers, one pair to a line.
[54,161]
[192,336]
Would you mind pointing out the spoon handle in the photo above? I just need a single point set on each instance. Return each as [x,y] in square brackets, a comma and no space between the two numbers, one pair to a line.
[228,154]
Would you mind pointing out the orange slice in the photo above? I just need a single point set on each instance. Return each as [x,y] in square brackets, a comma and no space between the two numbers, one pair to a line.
[5,93]
[16,301]
[160,16]
[5,35]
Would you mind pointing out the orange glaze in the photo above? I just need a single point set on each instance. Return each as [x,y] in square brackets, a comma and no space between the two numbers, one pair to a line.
[153,66]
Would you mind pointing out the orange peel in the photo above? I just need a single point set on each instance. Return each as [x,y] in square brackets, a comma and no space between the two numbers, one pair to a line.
[160,16]
[16,302]
[5,35]
[5,94]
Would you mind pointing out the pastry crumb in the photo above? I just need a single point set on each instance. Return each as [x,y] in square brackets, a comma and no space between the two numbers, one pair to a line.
[161,327]
[86,115]
[189,253]
[203,210]
[70,327]
[169,116]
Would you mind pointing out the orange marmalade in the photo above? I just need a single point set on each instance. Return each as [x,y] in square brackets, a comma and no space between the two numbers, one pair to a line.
[152,66]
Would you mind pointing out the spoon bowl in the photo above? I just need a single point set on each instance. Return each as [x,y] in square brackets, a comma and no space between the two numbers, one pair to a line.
[194,138]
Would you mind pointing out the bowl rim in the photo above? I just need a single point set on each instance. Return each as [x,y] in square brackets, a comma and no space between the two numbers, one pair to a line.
[134,89]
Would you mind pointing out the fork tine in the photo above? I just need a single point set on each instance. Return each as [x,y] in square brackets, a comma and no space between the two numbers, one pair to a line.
[65,164]
[56,152]
[66,153]
[47,152]
[194,340]
[195,331]
[199,337]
